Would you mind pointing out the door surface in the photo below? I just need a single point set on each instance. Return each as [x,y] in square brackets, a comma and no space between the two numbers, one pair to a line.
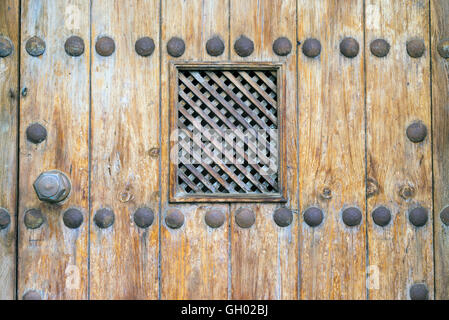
[202,149]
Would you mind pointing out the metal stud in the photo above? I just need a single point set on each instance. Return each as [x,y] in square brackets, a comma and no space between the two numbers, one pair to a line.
[144,46]
[282,46]
[52,186]
[352,216]
[416,48]
[215,46]
[245,218]
[143,217]
[311,48]
[31,295]
[33,218]
[416,132]
[381,216]
[349,47]
[104,218]
[5,47]
[5,219]
[419,291]
[176,47]
[326,194]
[36,133]
[444,216]
[283,217]
[214,218]
[244,46]
[443,48]
[174,218]
[35,46]
[313,216]
[105,46]
[418,216]
[74,46]
[379,48]
[73,218]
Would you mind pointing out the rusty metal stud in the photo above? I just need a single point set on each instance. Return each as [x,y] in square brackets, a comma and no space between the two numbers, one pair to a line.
[418,216]
[215,46]
[144,46]
[245,218]
[105,46]
[176,47]
[352,216]
[104,218]
[143,217]
[416,48]
[33,218]
[244,46]
[5,47]
[282,46]
[35,46]
[174,218]
[36,133]
[419,291]
[416,132]
[31,295]
[5,219]
[283,217]
[326,194]
[52,186]
[74,46]
[73,218]
[311,48]
[214,218]
[443,48]
[444,216]
[379,48]
[313,216]
[381,216]
[349,47]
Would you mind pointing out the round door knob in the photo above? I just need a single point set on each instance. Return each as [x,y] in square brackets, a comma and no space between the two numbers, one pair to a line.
[52,186]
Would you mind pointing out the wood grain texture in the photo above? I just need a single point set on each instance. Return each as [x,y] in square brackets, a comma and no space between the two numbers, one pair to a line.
[264,258]
[53,258]
[439,15]
[9,97]
[194,258]
[398,93]
[332,152]
[125,151]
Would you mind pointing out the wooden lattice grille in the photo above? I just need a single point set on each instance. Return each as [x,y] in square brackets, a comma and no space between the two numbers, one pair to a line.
[227,135]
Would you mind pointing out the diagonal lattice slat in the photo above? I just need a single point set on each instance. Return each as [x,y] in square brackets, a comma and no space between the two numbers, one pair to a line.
[227,132]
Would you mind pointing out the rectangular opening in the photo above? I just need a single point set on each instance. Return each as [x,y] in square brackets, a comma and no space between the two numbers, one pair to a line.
[226,137]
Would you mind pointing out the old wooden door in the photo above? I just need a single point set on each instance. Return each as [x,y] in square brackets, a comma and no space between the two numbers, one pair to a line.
[103,190]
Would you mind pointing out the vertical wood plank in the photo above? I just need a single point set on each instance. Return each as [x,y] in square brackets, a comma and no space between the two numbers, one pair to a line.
[125,150]
[332,153]
[264,258]
[440,106]
[53,258]
[398,93]
[9,96]
[194,258]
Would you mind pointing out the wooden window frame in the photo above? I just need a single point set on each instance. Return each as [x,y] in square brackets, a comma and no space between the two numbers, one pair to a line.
[174,67]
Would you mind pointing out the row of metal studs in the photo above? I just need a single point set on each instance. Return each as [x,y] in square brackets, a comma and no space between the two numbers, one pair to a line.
[243,46]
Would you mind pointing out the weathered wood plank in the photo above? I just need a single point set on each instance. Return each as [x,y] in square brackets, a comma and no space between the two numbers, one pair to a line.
[332,153]
[125,151]
[440,106]
[194,258]
[264,258]
[399,171]
[53,258]
[9,96]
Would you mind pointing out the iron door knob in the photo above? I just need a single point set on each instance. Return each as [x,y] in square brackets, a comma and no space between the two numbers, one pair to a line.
[52,186]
